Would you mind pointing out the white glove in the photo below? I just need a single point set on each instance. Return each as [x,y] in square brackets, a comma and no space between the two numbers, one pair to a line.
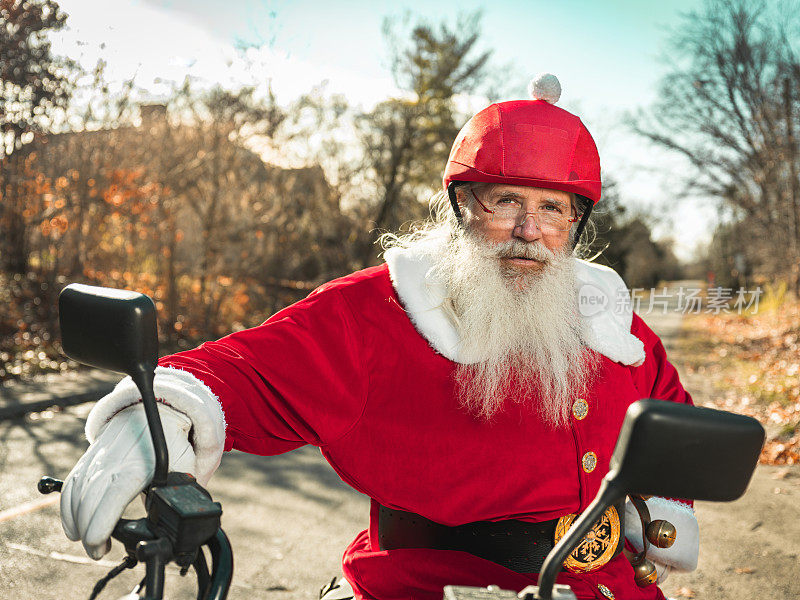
[116,467]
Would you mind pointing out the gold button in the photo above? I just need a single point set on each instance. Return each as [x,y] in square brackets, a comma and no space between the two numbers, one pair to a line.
[589,461]
[605,591]
[580,409]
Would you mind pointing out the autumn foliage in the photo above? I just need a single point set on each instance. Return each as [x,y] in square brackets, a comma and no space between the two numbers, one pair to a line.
[211,233]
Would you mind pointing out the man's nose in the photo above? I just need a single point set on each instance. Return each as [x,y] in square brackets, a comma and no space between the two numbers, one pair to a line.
[528,229]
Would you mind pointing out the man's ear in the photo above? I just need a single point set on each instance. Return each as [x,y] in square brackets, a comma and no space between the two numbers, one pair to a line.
[462,196]
[467,192]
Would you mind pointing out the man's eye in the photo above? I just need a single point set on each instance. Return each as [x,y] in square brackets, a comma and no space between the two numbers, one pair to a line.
[553,208]
[506,201]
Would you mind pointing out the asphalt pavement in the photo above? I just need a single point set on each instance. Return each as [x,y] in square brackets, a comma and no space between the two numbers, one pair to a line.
[289,519]
[54,389]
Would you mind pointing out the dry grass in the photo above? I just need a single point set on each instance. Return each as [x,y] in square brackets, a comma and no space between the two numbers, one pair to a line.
[751,365]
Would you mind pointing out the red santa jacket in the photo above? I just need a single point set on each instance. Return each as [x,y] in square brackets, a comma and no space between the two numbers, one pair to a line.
[346,370]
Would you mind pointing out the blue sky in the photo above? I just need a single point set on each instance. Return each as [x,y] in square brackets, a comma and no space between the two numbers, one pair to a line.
[608,55]
[589,43]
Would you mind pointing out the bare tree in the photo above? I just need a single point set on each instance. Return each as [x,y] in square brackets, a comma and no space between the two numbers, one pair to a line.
[406,140]
[730,107]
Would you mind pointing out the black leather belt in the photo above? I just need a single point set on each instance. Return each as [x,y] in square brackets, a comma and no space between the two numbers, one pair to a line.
[520,546]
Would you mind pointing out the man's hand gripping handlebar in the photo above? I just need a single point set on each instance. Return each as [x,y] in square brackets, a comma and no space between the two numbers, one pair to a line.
[116,330]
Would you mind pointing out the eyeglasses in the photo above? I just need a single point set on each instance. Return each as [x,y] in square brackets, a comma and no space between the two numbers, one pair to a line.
[506,210]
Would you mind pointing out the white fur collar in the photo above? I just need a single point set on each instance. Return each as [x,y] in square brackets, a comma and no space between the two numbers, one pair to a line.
[601,295]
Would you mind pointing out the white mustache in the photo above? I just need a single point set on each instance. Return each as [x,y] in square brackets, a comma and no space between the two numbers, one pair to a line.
[519,249]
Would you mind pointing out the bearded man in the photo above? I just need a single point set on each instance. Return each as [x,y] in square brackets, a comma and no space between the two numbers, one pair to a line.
[459,384]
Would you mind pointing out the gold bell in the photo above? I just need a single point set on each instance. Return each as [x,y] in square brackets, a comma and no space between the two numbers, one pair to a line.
[644,573]
[661,533]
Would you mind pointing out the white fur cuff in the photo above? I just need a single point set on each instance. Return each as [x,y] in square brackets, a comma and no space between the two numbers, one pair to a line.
[183,392]
[682,555]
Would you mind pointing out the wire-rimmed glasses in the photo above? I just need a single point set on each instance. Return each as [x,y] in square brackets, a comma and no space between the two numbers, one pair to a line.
[553,215]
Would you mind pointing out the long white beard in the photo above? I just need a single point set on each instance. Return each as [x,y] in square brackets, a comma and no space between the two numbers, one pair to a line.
[521,327]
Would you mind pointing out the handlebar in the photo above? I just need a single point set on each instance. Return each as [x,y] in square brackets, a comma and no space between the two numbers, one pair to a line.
[181,519]
[48,485]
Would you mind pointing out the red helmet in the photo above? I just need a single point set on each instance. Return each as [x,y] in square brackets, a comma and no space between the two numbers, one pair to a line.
[527,142]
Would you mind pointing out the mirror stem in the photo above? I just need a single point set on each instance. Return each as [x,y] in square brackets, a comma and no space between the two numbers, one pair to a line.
[606,496]
[143,378]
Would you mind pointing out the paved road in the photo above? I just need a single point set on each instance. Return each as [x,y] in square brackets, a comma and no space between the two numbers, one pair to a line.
[54,389]
[290,517]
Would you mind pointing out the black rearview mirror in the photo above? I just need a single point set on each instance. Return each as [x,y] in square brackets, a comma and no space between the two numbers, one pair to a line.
[107,328]
[116,330]
[681,451]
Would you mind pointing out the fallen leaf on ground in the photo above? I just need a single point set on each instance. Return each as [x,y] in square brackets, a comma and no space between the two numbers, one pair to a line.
[781,474]
[744,570]
[759,376]
[685,592]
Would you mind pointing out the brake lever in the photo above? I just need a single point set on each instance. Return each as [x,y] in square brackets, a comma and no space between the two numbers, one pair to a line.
[132,531]
[128,531]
